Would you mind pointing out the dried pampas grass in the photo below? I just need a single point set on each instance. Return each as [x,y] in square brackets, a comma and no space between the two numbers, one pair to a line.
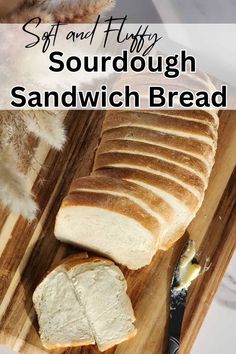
[14,193]
[70,11]
[17,154]
[82,11]
[47,125]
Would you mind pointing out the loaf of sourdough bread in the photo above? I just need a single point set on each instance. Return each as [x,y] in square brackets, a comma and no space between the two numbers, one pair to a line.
[83,301]
[150,174]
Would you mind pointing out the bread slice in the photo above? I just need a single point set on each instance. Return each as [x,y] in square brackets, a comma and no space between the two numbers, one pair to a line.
[184,205]
[187,179]
[153,204]
[84,301]
[190,162]
[200,149]
[197,115]
[151,181]
[101,288]
[132,236]
[161,123]
[61,317]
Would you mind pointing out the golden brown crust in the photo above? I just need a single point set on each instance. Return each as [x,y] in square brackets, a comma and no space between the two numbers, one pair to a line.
[79,344]
[130,336]
[117,119]
[174,238]
[107,183]
[71,263]
[120,205]
[188,145]
[196,114]
[155,150]
[136,161]
[67,345]
[74,257]
[160,182]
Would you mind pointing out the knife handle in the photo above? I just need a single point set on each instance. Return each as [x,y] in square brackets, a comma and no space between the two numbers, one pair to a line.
[173,346]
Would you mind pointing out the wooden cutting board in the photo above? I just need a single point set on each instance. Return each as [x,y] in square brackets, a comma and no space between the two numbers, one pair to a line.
[28,250]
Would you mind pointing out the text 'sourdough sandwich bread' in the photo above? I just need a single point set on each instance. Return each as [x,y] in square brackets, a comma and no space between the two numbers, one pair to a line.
[83,301]
[150,173]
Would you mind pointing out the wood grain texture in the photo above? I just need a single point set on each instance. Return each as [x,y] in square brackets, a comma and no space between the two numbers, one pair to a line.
[28,250]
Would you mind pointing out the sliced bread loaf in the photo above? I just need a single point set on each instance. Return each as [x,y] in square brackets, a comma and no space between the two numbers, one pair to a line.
[150,173]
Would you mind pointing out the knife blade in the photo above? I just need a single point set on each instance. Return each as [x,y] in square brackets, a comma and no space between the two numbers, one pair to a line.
[178,296]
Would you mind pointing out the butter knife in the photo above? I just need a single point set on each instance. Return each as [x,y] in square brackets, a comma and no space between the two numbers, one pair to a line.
[178,294]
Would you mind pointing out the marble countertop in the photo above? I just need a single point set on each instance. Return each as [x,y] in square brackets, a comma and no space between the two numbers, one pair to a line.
[217,334]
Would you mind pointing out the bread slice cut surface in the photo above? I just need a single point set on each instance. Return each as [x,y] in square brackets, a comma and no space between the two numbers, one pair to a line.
[84,302]
[130,238]
[61,317]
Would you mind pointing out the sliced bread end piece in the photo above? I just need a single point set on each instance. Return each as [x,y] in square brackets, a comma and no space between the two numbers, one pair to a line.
[125,240]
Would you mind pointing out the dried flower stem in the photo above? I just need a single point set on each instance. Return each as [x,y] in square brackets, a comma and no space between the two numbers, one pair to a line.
[13,187]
